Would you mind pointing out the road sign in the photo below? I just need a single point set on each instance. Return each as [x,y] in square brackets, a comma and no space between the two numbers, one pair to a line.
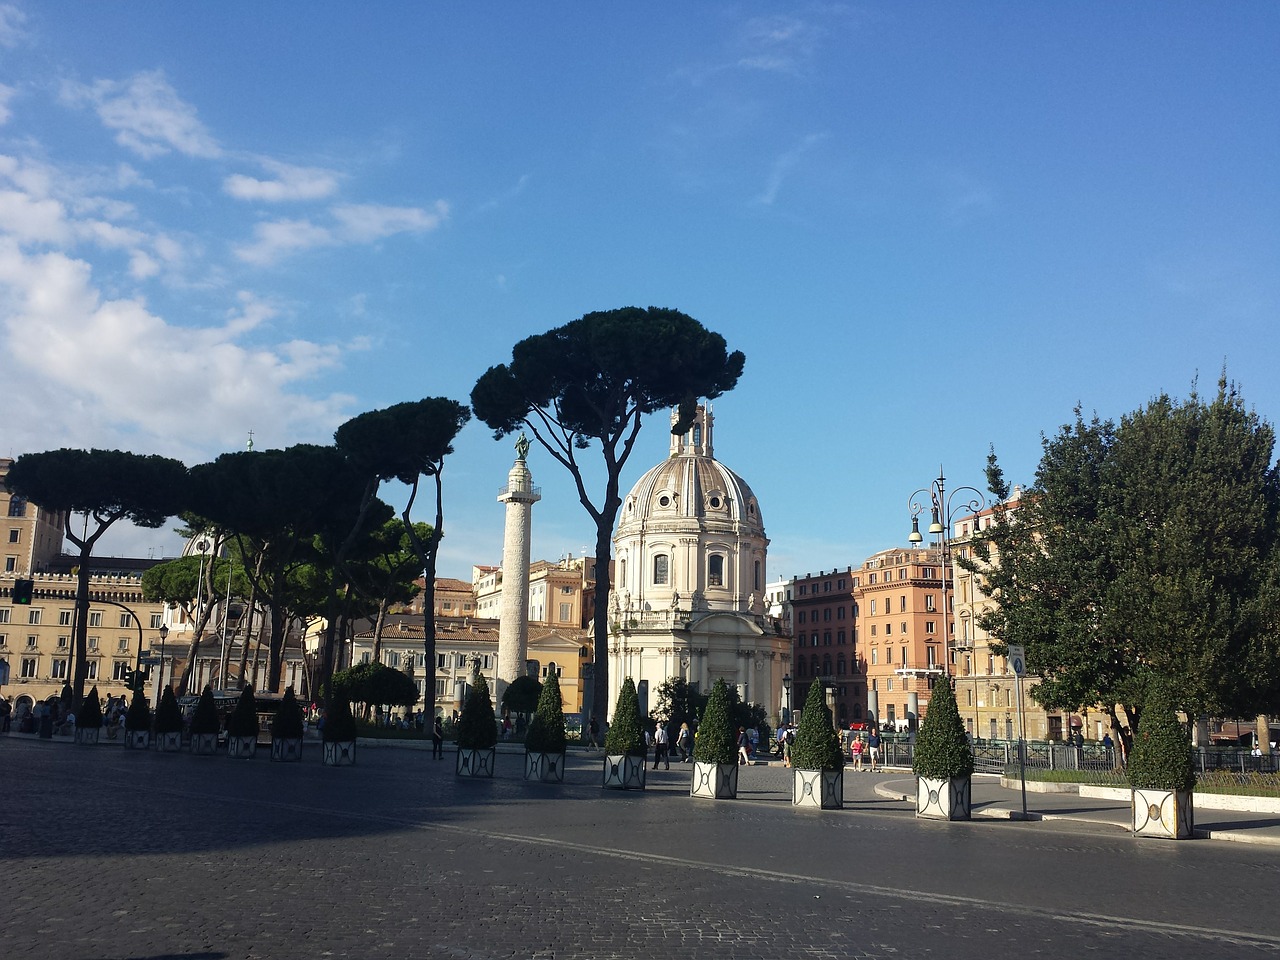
[1017,657]
[151,661]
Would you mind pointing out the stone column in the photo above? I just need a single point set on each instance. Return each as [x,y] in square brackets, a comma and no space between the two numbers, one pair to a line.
[513,625]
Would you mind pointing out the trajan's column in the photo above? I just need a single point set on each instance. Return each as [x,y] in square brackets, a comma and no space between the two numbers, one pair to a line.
[513,625]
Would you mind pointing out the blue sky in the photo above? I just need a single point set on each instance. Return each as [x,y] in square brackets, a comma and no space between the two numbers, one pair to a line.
[930,227]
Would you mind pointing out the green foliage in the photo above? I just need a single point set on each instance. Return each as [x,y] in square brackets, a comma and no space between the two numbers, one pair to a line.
[138,716]
[1161,755]
[376,683]
[339,724]
[625,735]
[716,741]
[678,703]
[287,723]
[108,484]
[205,719]
[817,746]
[90,714]
[522,695]
[477,727]
[1145,550]
[168,713]
[546,730]
[243,721]
[942,749]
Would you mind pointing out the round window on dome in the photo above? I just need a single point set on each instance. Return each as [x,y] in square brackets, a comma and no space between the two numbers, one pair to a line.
[664,501]
[715,502]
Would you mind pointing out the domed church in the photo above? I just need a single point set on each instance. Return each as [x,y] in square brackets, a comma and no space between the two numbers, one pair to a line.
[689,574]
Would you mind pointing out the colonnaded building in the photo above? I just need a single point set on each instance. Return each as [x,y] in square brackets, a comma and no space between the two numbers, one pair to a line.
[690,561]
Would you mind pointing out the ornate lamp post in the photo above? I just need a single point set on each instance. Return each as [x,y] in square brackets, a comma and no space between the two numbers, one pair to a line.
[786,698]
[943,513]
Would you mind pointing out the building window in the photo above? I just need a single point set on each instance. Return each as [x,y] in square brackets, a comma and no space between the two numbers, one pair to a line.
[888,629]
[13,536]
[33,616]
[95,618]
[903,629]
[757,574]
[871,578]
[875,656]
[126,619]
[459,661]
[64,642]
[32,642]
[826,615]
[928,603]
[839,613]
[124,645]
[904,656]
[902,604]
[566,612]
[873,629]
[661,571]
[840,637]
[4,640]
[441,661]
[93,670]
[29,667]
[119,669]
[440,688]
[10,564]
[157,621]
[840,666]
[64,618]
[59,669]
[873,608]
[826,638]
[93,643]
[930,625]
[18,506]
[715,570]
[889,686]
[4,614]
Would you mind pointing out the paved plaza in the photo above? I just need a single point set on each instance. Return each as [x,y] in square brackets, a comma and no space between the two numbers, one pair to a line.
[108,853]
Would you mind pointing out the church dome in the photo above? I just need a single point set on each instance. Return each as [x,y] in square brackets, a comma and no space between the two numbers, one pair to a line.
[690,533]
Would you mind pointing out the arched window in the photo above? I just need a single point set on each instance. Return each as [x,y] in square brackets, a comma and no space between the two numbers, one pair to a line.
[661,572]
[813,664]
[840,666]
[757,575]
[800,667]
[715,570]
[826,665]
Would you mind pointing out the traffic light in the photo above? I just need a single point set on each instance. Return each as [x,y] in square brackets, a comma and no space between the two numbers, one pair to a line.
[22,590]
[126,675]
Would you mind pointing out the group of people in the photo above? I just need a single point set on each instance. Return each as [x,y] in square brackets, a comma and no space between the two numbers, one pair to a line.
[864,750]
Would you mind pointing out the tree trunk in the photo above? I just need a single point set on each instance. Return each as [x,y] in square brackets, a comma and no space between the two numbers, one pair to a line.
[377,630]
[1263,733]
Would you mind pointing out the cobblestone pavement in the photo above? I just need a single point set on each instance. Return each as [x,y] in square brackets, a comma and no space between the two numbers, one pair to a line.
[107,853]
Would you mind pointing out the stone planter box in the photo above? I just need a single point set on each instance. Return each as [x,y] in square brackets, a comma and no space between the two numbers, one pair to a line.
[1165,814]
[88,735]
[137,739]
[715,781]
[944,799]
[476,763]
[169,742]
[287,749]
[204,744]
[242,748]
[624,772]
[545,767]
[339,753]
[818,789]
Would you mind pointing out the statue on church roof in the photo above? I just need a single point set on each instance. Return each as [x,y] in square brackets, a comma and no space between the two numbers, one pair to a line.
[522,446]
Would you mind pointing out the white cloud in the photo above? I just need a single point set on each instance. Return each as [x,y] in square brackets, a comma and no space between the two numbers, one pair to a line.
[785,164]
[147,114]
[6,94]
[290,183]
[354,223]
[778,44]
[12,21]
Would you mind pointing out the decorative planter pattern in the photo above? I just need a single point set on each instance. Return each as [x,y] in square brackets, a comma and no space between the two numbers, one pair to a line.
[137,739]
[477,763]
[87,734]
[624,772]
[287,749]
[242,748]
[715,781]
[1165,814]
[340,753]
[818,789]
[169,742]
[945,799]
[204,744]
[547,767]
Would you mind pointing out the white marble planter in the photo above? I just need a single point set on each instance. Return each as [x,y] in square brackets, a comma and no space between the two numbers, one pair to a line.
[204,744]
[944,799]
[1164,814]
[88,735]
[818,789]
[715,781]
[546,767]
[137,739]
[339,753]
[476,763]
[169,742]
[286,749]
[242,748]
[624,772]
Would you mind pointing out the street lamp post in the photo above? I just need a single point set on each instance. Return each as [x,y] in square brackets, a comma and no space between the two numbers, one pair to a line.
[943,513]
[160,680]
[786,698]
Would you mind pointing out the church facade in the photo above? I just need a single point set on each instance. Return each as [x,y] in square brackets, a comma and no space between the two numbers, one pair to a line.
[690,567]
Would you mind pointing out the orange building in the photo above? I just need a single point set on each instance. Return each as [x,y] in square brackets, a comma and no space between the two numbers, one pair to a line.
[902,631]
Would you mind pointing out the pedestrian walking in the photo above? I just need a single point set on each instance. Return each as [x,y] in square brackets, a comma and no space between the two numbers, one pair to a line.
[593,734]
[684,743]
[873,747]
[437,739]
[660,747]
[744,747]
[856,749]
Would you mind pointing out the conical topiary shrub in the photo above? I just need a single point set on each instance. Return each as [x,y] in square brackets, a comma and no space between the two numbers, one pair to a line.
[817,747]
[715,742]
[168,714]
[205,720]
[1161,755]
[90,715]
[339,724]
[477,727]
[625,737]
[546,730]
[942,748]
[243,721]
[287,723]
[942,760]
[138,717]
